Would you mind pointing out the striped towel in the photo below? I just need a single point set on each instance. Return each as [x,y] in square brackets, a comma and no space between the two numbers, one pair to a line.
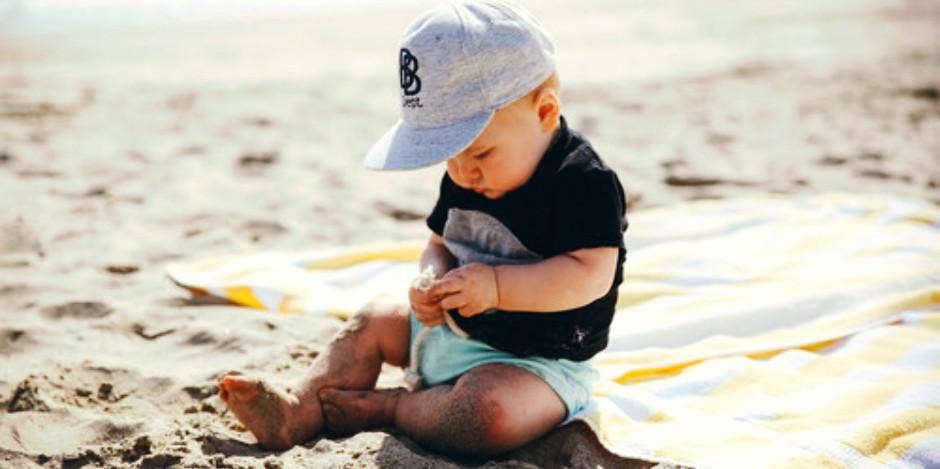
[771,332]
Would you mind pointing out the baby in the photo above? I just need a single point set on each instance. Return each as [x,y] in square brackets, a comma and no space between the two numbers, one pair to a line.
[527,242]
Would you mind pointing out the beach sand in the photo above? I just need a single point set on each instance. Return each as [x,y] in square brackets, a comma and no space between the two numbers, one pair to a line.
[122,151]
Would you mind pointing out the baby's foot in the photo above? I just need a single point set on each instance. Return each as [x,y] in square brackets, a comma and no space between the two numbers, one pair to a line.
[272,416]
[348,412]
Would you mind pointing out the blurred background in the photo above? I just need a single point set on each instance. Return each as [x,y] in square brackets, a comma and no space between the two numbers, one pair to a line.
[155,130]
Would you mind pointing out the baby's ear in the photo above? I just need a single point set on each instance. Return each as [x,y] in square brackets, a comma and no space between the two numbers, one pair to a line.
[548,106]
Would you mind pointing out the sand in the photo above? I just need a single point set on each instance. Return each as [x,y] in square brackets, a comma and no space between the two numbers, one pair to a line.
[121,151]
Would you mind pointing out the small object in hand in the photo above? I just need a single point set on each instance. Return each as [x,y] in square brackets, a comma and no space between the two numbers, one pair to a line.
[425,279]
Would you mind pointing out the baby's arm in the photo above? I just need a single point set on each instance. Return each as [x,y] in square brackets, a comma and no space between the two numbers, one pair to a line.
[427,305]
[559,283]
[436,255]
[566,281]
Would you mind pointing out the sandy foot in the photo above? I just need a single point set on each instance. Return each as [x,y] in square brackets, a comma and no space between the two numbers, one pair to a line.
[272,416]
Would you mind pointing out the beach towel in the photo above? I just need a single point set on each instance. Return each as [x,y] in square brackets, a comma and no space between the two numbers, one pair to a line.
[764,332]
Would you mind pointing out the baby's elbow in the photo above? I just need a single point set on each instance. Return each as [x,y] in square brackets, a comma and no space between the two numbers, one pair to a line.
[600,266]
[600,285]
[590,290]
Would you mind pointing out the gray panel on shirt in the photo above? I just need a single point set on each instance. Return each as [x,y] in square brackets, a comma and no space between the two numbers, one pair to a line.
[474,236]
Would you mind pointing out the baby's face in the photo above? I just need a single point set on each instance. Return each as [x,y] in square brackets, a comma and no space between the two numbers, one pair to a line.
[505,155]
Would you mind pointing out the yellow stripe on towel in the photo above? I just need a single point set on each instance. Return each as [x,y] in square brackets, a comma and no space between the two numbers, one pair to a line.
[244,296]
[402,252]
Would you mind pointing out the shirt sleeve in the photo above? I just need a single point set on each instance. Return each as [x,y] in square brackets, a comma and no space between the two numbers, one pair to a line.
[438,216]
[590,209]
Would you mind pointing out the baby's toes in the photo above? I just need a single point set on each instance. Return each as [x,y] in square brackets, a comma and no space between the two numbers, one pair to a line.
[234,387]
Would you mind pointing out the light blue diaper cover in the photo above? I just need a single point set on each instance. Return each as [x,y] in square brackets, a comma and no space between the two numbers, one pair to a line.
[445,356]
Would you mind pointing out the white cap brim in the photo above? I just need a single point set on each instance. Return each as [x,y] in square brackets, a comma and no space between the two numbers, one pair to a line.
[406,147]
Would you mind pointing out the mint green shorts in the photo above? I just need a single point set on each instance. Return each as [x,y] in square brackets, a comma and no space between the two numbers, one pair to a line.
[444,356]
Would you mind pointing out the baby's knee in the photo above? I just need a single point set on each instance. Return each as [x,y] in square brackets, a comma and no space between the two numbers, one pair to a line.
[476,423]
[382,315]
[376,314]
[385,308]
[378,327]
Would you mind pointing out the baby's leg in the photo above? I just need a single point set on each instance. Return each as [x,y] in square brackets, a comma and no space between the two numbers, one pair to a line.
[491,409]
[352,360]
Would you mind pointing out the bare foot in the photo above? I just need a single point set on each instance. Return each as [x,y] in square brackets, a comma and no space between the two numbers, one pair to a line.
[348,412]
[273,416]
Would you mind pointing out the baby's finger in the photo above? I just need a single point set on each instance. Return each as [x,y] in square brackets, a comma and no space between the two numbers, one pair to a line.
[455,301]
[426,304]
[426,309]
[445,287]
[419,295]
[469,310]
[425,301]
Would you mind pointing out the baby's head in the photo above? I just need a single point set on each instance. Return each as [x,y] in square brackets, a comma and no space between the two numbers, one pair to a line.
[478,90]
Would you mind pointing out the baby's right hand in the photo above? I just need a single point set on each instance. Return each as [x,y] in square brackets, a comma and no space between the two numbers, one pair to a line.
[427,307]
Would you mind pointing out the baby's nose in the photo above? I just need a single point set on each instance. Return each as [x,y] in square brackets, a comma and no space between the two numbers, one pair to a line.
[468,171]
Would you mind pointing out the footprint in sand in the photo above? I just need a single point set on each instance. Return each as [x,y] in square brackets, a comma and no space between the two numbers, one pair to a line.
[883,175]
[207,338]
[258,229]
[831,160]
[121,269]
[398,213]
[78,310]
[257,161]
[695,181]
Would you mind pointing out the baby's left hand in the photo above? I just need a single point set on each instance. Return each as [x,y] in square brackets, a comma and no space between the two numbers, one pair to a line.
[470,290]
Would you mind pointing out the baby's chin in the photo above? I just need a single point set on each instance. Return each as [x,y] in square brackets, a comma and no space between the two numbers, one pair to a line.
[493,194]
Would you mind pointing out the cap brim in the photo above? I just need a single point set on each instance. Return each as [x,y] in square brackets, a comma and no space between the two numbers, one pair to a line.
[405,147]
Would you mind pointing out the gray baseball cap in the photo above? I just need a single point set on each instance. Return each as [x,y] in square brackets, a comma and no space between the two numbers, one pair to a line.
[458,64]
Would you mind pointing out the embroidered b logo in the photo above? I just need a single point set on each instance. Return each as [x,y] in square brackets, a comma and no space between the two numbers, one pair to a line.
[407,73]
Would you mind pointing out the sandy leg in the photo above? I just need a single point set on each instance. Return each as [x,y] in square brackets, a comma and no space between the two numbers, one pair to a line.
[347,412]
[351,361]
[489,410]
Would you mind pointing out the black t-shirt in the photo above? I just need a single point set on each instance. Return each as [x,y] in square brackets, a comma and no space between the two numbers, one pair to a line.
[572,201]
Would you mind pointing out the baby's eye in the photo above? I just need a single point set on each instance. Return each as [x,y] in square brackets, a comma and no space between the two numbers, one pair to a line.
[483,155]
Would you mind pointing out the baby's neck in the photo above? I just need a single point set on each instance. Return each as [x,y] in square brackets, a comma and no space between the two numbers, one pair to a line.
[550,140]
